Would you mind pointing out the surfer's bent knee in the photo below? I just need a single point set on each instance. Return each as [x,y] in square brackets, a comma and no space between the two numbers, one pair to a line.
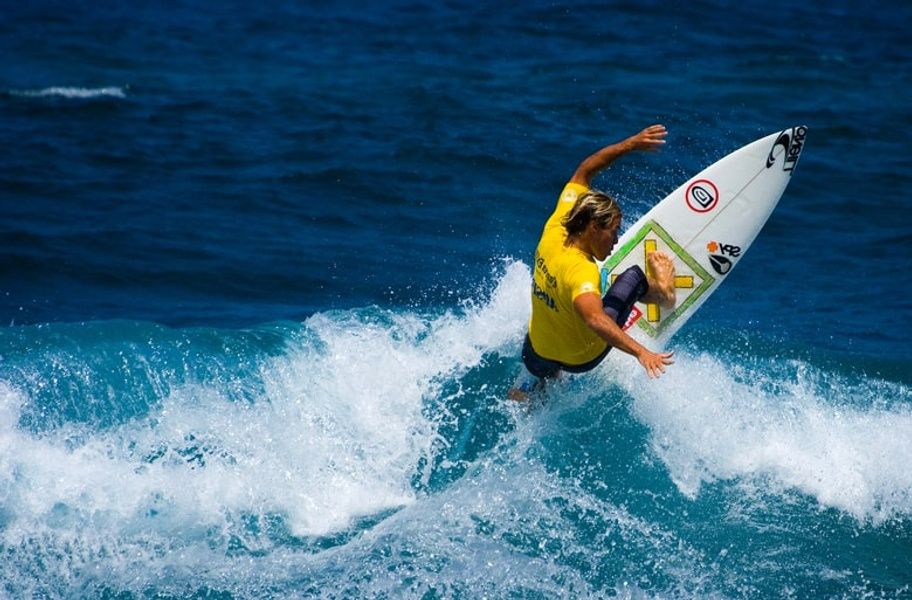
[625,291]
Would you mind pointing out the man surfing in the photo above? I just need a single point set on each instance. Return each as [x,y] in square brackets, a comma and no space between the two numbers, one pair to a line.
[573,326]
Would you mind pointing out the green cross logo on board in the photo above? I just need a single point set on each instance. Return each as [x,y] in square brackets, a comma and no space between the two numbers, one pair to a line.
[691,280]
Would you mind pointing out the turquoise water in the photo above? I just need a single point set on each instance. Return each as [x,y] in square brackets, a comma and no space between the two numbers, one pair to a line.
[264,276]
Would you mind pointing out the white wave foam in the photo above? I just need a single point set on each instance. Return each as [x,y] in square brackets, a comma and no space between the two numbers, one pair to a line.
[186,497]
[337,435]
[837,440]
[501,528]
[73,92]
[361,401]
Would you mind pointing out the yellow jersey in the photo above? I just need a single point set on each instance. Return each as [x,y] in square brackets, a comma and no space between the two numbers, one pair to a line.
[562,273]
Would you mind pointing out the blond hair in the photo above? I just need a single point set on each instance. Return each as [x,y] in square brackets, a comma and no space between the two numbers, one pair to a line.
[591,206]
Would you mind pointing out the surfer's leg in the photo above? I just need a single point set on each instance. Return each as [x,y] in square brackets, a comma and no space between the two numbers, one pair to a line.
[661,279]
[534,372]
[626,290]
[525,385]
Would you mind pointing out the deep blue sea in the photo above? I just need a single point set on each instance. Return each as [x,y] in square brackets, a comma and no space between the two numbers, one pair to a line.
[264,276]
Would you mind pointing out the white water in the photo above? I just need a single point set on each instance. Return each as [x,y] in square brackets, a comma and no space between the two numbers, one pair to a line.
[846,444]
[342,426]
[337,436]
[72,92]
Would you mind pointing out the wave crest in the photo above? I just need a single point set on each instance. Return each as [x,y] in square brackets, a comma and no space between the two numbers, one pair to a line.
[73,92]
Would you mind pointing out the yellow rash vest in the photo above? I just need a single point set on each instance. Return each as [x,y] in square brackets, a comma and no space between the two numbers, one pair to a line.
[562,273]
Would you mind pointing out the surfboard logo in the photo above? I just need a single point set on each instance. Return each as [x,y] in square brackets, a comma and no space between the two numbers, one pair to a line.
[727,249]
[718,254]
[702,196]
[632,318]
[792,141]
[720,264]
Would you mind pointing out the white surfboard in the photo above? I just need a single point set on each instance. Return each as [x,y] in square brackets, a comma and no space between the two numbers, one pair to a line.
[706,226]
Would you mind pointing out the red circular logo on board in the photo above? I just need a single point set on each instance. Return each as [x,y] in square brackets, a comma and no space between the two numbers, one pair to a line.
[702,195]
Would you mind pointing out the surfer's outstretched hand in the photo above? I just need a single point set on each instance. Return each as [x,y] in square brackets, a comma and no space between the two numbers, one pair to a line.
[655,362]
[651,138]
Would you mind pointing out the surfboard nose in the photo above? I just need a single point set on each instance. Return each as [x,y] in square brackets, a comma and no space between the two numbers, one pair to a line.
[786,148]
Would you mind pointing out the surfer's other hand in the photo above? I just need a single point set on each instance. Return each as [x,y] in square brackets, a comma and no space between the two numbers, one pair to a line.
[651,138]
[655,362]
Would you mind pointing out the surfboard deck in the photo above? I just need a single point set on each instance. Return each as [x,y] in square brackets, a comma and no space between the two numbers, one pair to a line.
[706,225]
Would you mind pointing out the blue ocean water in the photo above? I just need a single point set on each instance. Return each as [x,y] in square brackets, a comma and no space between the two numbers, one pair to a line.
[264,274]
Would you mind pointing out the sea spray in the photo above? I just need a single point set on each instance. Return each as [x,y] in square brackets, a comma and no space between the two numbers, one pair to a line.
[371,452]
[237,446]
[843,440]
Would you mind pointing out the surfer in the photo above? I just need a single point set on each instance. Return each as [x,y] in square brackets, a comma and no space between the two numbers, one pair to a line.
[572,326]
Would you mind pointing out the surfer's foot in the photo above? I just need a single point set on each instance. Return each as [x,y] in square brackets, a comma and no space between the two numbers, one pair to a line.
[661,280]
[518,395]
[525,386]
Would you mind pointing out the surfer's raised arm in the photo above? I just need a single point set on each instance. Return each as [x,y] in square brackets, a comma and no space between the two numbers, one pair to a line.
[649,139]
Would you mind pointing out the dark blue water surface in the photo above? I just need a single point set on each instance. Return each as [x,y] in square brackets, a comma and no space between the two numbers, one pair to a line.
[264,273]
